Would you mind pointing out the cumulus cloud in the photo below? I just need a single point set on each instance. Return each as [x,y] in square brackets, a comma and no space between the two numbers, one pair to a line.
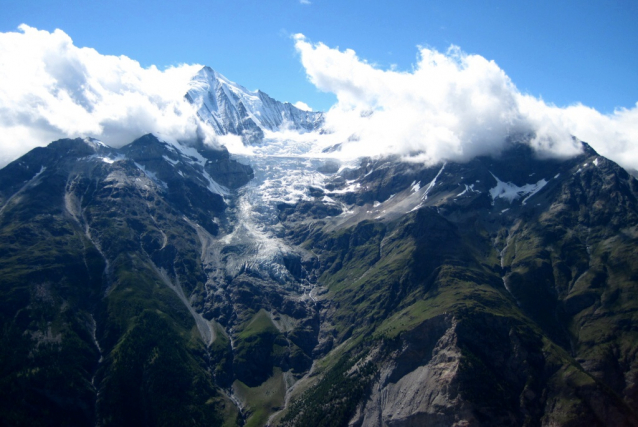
[50,88]
[613,135]
[302,106]
[452,106]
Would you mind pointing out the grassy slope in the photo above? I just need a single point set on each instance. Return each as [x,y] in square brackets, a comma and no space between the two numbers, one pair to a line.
[155,369]
[50,281]
[430,268]
[574,273]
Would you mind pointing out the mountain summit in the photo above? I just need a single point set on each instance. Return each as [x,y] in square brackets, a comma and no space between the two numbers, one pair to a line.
[232,109]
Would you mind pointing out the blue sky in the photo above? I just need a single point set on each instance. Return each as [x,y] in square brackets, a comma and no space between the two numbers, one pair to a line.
[562,51]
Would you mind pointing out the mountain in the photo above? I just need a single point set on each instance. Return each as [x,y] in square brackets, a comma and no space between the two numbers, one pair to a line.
[171,284]
[497,292]
[232,109]
[87,232]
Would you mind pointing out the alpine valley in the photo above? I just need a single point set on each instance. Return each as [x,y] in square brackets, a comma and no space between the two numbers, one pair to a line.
[168,283]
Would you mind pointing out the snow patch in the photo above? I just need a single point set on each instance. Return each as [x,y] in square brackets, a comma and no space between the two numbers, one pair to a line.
[111,160]
[539,186]
[152,176]
[169,160]
[511,192]
[191,155]
[329,200]
[351,188]
[94,143]
[468,188]
[417,207]
[432,183]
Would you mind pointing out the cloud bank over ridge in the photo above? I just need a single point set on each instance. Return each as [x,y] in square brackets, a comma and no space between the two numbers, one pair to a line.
[51,89]
[450,106]
[453,106]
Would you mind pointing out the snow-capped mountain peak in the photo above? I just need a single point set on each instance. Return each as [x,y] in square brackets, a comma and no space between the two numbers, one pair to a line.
[231,108]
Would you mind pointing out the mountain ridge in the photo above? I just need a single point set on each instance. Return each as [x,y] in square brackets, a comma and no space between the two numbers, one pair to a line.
[231,108]
[165,283]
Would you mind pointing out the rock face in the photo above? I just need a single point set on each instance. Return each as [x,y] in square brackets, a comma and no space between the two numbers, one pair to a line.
[477,287]
[231,108]
[418,385]
[164,282]
[99,251]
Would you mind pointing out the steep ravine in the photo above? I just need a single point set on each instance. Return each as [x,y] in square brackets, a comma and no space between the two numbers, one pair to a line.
[249,251]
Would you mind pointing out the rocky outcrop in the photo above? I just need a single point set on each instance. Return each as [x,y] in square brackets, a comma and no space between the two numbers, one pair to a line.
[418,383]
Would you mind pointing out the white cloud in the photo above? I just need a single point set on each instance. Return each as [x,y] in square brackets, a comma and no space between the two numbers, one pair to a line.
[452,106]
[613,135]
[234,144]
[302,106]
[50,89]
[305,2]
